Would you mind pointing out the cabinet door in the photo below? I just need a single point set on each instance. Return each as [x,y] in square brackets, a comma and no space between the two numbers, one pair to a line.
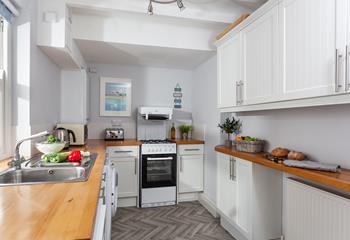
[310,33]
[260,59]
[229,71]
[190,173]
[127,169]
[226,187]
[243,174]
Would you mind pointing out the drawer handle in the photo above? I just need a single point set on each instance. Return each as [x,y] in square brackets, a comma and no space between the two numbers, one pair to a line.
[192,149]
[122,151]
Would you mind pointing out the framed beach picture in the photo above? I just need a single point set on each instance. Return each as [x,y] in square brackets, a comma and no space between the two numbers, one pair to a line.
[115,97]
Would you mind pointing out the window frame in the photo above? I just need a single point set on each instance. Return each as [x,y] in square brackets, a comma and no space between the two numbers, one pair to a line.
[6,61]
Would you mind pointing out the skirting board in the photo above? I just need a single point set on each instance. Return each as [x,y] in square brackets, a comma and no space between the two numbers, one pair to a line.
[187,197]
[208,204]
[225,223]
[127,202]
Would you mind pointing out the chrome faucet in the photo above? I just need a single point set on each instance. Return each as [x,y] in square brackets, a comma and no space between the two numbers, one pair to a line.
[18,160]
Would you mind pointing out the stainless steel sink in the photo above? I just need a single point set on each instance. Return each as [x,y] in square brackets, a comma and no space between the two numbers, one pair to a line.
[38,175]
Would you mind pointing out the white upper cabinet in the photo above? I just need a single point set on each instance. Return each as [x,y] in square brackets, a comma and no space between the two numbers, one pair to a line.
[54,34]
[260,59]
[75,96]
[347,75]
[229,71]
[311,34]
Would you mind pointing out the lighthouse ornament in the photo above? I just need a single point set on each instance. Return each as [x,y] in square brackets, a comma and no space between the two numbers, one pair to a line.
[177,97]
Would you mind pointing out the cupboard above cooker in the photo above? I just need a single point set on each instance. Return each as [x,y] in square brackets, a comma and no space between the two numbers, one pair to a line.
[289,53]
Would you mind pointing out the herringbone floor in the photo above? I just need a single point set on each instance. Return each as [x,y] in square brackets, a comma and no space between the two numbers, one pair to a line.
[182,222]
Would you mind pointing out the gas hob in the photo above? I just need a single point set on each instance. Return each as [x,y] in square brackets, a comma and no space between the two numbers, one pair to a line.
[158,147]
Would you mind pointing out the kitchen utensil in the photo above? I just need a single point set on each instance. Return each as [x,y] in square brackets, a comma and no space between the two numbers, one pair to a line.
[64,134]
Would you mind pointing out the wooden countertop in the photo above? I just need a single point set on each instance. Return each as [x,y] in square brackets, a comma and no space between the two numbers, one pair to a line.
[53,211]
[187,141]
[126,142]
[339,181]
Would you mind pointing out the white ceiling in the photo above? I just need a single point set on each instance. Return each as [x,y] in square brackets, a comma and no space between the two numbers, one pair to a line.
[126,54]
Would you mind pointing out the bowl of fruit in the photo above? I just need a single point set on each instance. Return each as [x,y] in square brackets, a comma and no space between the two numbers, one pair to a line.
[51,145]
[249,144]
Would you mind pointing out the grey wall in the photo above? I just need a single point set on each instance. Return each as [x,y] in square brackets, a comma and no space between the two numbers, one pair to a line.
[206,116]
[321,132]
[35,79]
[151,87]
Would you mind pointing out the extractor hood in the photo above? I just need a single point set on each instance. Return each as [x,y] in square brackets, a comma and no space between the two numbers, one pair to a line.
[156,113]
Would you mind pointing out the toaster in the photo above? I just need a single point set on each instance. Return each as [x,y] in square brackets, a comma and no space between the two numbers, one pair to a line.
[114,134]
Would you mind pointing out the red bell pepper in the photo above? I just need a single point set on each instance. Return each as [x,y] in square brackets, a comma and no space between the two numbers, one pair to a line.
[74,156]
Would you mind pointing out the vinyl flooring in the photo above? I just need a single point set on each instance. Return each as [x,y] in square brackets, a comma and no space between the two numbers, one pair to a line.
[184,221]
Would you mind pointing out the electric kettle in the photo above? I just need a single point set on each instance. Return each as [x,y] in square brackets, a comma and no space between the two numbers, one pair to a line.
[64,135]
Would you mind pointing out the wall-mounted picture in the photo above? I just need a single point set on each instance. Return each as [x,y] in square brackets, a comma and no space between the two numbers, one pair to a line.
[115,97]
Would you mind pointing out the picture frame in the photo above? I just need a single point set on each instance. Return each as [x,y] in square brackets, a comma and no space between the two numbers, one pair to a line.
[115,97]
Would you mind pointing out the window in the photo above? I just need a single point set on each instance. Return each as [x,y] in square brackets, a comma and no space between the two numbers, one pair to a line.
[5,90]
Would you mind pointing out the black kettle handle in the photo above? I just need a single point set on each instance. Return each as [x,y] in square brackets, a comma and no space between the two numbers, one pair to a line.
[72,133]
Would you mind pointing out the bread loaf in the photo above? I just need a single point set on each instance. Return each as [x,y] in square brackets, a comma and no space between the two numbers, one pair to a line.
[280,152]
[293,155]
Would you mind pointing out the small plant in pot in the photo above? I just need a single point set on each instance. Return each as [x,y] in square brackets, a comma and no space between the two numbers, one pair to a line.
[230,126]
[184,130]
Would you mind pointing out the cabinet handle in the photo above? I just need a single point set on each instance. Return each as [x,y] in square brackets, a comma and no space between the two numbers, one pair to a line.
[135,166]
[230,168]
[192,149]
[122,151]
[347,68]
[104,177]
[234,169]
[237,93]
[338,56]
[181,164]
[241,92]
[103,195]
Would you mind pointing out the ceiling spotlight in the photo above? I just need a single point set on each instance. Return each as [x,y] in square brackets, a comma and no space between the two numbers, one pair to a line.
[150,8]
[180,5]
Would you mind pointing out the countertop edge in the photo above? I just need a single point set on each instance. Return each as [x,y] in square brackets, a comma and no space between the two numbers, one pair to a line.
[340,181]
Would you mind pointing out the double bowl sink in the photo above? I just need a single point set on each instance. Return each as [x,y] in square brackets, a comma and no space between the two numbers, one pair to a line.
[36,174]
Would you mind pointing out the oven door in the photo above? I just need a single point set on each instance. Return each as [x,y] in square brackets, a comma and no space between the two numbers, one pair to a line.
[158,170]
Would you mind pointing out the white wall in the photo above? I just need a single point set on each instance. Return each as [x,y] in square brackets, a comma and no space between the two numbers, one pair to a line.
[36,80]
[150,87]
[206,116]
[321,132]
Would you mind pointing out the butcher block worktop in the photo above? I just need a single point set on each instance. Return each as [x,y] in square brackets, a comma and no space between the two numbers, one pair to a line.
[53,211]
[126,142]
[339,181]
[187,141]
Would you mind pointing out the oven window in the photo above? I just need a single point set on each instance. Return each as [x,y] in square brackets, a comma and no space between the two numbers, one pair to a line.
[159,171]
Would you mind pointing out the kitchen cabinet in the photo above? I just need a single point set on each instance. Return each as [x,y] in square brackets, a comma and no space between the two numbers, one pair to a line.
[54,34]
[126,162]
[312,35]
[229,72]
[191,167]
[249,198]
[294,53]
[260,60]
[75,96]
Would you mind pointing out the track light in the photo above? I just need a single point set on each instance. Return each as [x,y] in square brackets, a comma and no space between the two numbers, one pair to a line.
[150,8]
[180,5]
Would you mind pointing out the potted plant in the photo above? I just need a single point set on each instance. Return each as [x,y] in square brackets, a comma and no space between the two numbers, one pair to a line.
[184,130]
[230,126]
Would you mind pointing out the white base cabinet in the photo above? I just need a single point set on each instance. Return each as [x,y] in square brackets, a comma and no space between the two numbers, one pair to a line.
[249,199]
[190,168]
[126,162]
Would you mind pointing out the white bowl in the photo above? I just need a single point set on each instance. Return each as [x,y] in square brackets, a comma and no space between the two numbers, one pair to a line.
[47,148]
